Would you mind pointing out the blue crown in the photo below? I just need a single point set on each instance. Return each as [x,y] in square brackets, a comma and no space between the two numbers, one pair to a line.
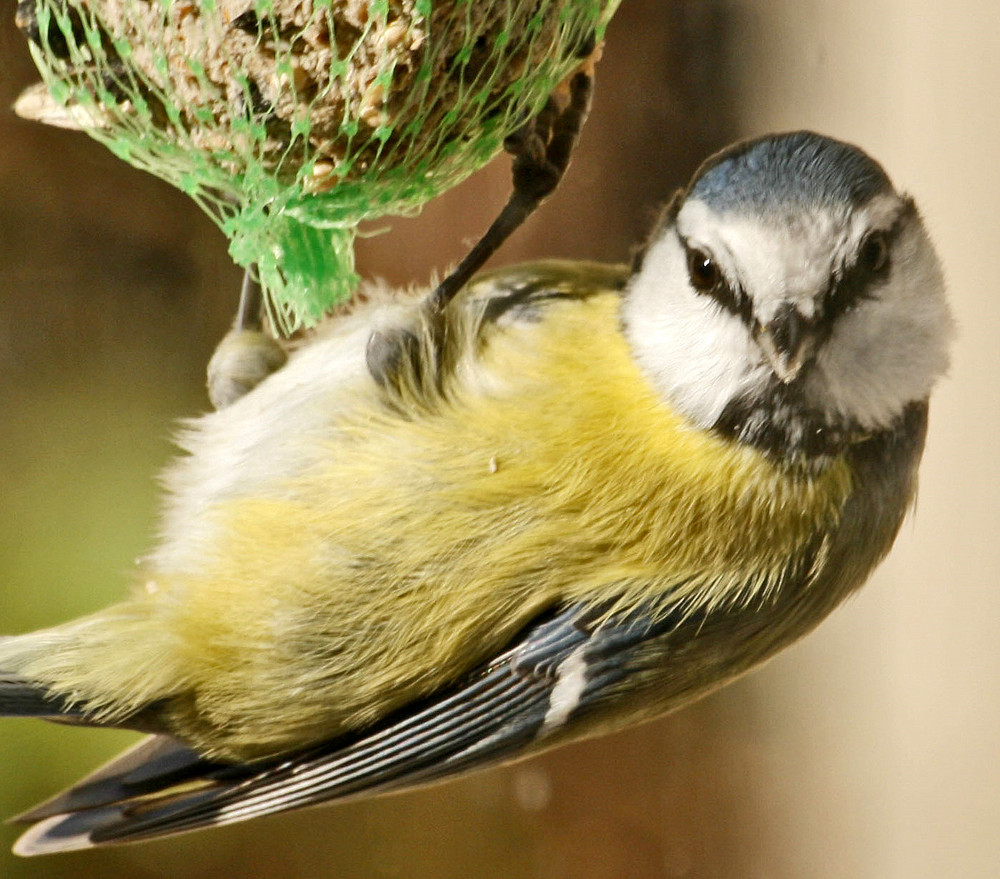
[774,173]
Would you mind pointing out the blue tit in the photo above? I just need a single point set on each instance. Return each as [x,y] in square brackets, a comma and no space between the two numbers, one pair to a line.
[579,496]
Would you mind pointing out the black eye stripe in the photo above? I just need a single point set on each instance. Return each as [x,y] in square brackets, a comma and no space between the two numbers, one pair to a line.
[855,283]
[732,299]
[851,285]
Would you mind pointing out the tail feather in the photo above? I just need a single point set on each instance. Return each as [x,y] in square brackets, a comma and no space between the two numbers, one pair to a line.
[21,697]
[158,773]
[155,763]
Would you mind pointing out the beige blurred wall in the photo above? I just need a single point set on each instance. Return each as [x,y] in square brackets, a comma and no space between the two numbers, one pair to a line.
[886,722]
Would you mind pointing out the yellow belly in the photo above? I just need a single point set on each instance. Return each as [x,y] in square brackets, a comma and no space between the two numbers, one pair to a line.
[426,542]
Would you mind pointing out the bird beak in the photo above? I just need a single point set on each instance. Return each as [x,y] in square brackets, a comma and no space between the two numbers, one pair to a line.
[788,341]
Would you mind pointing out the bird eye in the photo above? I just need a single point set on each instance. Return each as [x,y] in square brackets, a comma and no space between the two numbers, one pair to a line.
[875,253]
[702,270]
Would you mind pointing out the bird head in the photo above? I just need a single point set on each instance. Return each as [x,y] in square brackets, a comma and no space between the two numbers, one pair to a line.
[790,298]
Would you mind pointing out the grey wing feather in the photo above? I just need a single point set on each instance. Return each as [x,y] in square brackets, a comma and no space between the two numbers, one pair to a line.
[161,787]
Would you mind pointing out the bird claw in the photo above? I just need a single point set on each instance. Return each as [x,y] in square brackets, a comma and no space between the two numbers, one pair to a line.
[541,148]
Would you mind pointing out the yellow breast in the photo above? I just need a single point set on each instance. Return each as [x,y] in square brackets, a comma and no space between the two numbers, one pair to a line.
[554,474]
[417,543]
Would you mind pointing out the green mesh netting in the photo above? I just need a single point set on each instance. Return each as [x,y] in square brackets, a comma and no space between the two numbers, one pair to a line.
[292,122]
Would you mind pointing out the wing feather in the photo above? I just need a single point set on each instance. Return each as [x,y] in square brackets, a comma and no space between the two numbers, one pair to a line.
[161,787]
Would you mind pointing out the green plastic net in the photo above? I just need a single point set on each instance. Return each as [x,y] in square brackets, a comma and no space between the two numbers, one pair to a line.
[292,122]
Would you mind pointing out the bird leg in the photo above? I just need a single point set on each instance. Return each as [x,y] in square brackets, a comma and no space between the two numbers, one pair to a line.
[541,151]
[250,311]
[247,354]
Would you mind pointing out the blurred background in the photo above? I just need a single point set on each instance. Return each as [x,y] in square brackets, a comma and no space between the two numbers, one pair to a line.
[871,749]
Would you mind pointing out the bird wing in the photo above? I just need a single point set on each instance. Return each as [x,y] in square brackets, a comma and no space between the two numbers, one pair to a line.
[561,666]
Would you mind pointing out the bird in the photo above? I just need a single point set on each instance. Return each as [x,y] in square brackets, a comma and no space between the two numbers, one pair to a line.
[573,498]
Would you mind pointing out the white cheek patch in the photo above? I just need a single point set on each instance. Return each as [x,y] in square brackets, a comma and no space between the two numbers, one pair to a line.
[696,354]
[892,348]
